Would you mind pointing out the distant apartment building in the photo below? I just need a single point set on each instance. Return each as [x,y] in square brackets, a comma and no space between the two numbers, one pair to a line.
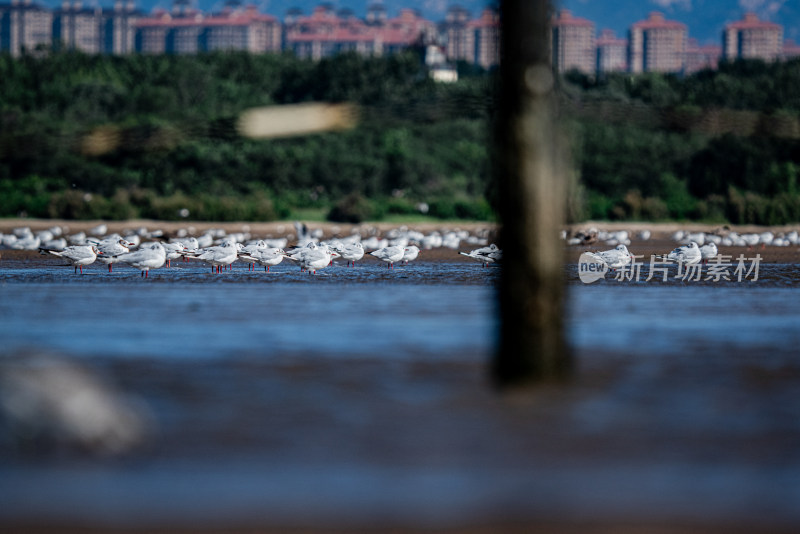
[25,27]
[751,38]
[94,30]
[475,41]
[119,27]
[701,57]
[78,28]
[657,45]
[326,32]
[188,31]
[573,44]
[455,34]
[612,53]
[484,38]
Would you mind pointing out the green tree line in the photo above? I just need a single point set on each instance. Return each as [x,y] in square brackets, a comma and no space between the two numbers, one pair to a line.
[155,136]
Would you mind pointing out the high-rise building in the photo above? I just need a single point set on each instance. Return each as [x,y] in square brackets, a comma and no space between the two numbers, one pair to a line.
[188,31]
[612,53]
[701,57]
[25,27]
[657,45]
[119,31]
[455,33]
[572,41]
[484,34]
[324,33]
[751,38]
[78,28]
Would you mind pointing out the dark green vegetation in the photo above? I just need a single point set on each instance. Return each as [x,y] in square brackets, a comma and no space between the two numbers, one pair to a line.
[149,136]
[716,146]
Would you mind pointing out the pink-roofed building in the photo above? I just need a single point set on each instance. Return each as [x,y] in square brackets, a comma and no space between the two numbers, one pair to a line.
[475,41]
[572,41]
[483,36]
[190,31]
[657,45]
[324,33]
[456,35]
[701,57]
[752,38]
[612,52]
[791,50]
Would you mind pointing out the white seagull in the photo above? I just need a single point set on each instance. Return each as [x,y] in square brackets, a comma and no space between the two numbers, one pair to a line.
[109,250]
[709,251]
[352,252]
[389,254]
[410,253]
[173,251]
[686,254]
[222,255]
[485,255]
[268,257]
[312,258]
[615,258]
[149,256]
[77,255]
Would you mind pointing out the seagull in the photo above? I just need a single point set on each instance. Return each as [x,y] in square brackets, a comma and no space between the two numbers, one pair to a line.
[173,251]
[352,252]
[615,258]
[410,253]
[77,255]
[109,250]
[268,257]
[312,258]
[485,255]
[224,254]
[389,255]
[249,252]
[687,254]
[149,256]
[298,253]
[708,251]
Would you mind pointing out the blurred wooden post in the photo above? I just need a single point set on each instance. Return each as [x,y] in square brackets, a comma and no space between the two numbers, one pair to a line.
[532,190]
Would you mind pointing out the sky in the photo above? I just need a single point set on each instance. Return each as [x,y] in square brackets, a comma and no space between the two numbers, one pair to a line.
[705,18]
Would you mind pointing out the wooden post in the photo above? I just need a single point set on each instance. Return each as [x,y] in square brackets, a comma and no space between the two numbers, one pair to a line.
[532,189]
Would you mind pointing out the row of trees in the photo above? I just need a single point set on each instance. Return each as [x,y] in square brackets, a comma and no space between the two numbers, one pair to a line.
[119,137]
[155,136]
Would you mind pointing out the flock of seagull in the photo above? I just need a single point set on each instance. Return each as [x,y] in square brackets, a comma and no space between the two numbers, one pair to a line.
[690,254]
[145,250]
[694,247]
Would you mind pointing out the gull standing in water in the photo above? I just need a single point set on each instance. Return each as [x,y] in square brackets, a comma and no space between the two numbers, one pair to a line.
[222,255]
[389,254]
[686,254]
[248,254]
[267,257]
[352,252]
[109,250]
[149,256]
[173,251]
[410,253]
[311,259]
[709,251]
[485,255]
[76,255]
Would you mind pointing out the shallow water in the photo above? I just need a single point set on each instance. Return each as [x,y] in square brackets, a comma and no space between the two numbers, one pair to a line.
[360,396]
